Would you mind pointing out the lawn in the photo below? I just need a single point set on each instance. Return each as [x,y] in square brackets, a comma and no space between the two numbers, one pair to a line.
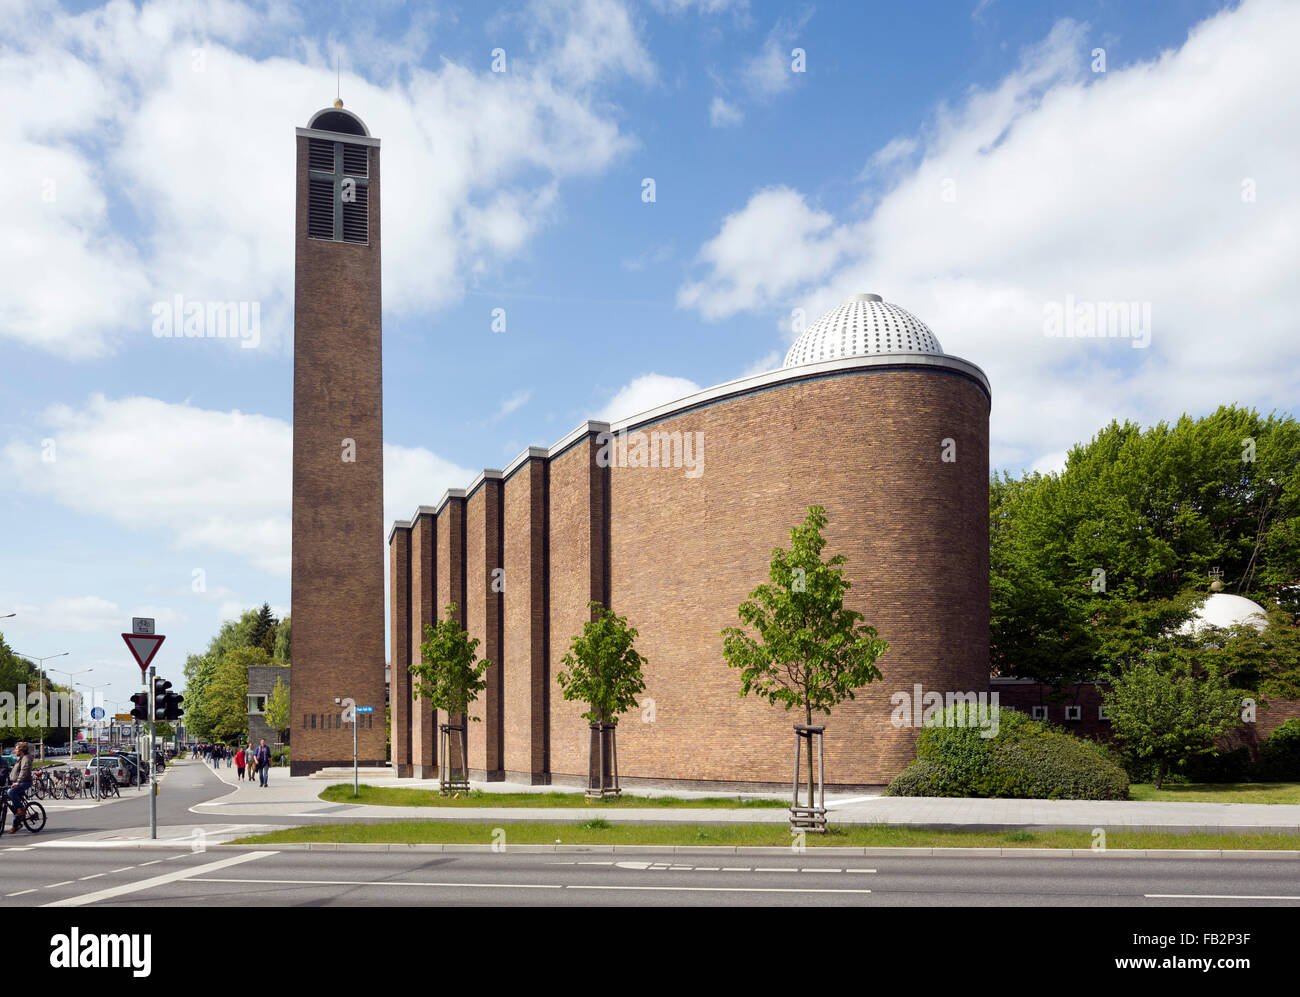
[393,796]
[1227,792]
[600,832]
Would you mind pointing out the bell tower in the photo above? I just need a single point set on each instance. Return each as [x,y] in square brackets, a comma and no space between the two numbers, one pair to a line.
[337,585]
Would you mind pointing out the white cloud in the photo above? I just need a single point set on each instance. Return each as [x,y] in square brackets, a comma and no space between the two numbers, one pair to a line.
[774,245]
[764,364]
[645,392]
[91,614]
[1115,188]
[195,478]
[770,71]
[160,95]
[724,115]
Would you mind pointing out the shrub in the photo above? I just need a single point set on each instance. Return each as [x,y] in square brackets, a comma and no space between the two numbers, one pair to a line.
[1279,756]
[922,778]
[1027,759]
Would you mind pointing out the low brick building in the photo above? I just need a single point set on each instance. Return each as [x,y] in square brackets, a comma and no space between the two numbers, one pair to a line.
[670,517]
[261,681]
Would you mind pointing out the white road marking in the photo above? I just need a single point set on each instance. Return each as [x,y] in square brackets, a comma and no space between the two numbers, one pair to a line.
[53,885]
[720,889]
[154,862]
[819,870]
[95,876]
[706,868]
[1212,896]
[735,869]
[859,870]
[20,893]
[124,868]
[379,883]
[148,884]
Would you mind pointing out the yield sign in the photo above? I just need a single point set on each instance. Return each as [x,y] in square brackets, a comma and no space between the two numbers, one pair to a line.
[143,647]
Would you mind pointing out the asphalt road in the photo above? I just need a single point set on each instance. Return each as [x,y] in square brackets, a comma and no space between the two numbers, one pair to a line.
[73,876]
[49,869]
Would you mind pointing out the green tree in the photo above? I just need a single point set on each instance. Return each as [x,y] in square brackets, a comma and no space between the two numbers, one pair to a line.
[276,713]
[226,700]
[263,634]
[282,648]
[811,652]
[1169,712]
[602,668]
[449,673]
[450,676]
[1154,510]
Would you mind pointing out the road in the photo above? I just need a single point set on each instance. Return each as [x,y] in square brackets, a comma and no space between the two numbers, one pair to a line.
[80,861]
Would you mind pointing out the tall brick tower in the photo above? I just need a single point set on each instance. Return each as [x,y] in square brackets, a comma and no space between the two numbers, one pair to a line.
[338,468]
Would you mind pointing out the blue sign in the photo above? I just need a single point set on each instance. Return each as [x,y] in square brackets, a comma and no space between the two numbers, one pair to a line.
[365,709]
[97,713]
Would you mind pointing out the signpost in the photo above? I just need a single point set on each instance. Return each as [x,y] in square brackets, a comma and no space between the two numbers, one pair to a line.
[143,644]
[355,710]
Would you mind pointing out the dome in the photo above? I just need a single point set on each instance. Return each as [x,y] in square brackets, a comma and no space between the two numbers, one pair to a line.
[862,325]
[1223,610]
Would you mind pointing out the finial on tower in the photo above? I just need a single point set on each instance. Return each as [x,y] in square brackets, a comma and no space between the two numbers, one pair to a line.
[338,101]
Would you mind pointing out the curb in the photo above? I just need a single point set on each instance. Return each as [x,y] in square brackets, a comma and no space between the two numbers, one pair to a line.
[882,852]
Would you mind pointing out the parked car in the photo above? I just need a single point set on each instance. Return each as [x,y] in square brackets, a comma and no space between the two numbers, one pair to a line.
[114,765]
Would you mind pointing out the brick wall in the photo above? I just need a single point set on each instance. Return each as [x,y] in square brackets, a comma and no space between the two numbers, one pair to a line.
[399,584]
[424,730]
[524,653]
[483,622]
[337,587]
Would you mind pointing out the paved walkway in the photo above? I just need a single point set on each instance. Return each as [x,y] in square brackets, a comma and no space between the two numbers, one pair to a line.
[295,800]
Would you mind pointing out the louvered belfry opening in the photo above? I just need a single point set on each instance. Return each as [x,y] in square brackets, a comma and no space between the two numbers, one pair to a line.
[338,196]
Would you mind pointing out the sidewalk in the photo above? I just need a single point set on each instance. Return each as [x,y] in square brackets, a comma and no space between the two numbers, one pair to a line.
[296,801]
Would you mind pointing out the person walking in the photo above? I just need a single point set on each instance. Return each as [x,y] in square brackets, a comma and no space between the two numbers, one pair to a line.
[250,759]
[263,762]
[239,764]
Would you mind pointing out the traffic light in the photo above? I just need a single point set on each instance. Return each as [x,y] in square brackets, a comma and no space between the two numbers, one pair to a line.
[173,711]
[140,706]
[160,687]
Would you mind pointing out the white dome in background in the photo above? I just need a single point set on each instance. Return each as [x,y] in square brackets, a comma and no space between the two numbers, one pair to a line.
[862,325]
[1224,610]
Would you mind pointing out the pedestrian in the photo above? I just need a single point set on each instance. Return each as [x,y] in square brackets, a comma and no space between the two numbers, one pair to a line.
[230,757]
[250,759]
[263,762]
[239,763]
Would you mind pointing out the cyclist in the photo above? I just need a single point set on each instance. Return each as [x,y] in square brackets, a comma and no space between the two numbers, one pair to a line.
[21,781]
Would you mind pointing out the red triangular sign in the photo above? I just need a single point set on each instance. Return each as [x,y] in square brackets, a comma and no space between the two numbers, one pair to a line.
[143,647]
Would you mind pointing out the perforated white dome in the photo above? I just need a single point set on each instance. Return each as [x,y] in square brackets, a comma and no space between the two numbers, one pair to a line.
[863,325]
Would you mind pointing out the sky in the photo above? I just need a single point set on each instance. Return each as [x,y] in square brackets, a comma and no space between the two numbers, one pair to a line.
[652,194]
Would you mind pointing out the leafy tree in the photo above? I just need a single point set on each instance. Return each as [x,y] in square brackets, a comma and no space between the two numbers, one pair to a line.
[226,699]
[1169,712]
[1154,510]
[450,676]
[282,648]
[602,667]
[811,652]
[276,713]
[449,673]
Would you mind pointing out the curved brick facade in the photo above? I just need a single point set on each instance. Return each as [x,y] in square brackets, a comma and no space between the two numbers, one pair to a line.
[676,553]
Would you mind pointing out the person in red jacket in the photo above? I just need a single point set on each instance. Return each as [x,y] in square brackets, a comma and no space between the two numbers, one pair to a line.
[239,763]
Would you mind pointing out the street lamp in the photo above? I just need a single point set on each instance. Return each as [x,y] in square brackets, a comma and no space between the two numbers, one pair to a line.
[41,669]
[70,675]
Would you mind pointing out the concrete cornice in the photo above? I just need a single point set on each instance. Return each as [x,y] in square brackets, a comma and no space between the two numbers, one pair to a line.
[723,392]
[337,137]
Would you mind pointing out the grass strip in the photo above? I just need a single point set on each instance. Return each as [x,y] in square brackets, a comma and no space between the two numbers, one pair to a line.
[1228,792]
[393,796]
[601,832]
